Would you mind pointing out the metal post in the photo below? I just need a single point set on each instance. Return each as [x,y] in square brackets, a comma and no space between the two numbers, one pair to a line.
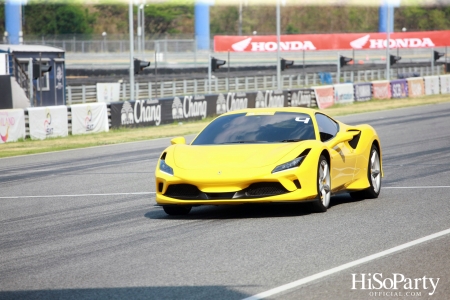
[130,24]
[209,72]
[139,30]
[338,73]
[278,47]
[156,73]
[40,78]
[353,58]
[228,75]
[432,61]
[304,71]
[30,80]
[388,71]
[240,18]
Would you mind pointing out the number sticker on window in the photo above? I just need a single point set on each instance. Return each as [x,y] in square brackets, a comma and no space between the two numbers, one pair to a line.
[304,120]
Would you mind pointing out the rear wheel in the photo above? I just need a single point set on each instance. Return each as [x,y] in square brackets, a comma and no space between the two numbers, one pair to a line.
[177,210]
[373,175]
[323,186]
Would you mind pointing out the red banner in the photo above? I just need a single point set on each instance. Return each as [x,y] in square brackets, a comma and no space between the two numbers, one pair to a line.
[344,41]
[381,90]
[324,96]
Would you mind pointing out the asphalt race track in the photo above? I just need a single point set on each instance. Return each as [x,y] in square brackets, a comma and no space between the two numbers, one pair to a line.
[82,224]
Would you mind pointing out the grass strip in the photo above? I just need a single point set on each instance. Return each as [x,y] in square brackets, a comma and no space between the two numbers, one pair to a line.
[123,135]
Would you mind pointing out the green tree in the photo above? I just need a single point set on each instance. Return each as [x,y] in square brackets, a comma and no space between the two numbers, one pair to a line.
[57,19]
[2,18]
[168,18]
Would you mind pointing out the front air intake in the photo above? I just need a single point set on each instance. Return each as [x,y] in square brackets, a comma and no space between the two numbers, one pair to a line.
[182,191]
[265,189]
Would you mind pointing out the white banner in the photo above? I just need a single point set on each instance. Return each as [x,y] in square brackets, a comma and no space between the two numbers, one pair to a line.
[3,64]
[431,85]
[445,84]
[47,122]
[12,125]
[89,118]
[343,93]
[108,92]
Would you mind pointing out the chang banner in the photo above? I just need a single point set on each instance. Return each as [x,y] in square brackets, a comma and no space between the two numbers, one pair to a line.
[269,98]
[363,91]
[399,88]
[148,112]
[343,93]
[381,89]
[431,85]
[324,96]
[416,87]
[12,125]
[89,118]
[47,122]
[232,101]
[300,98]
[108,92]
[445,84]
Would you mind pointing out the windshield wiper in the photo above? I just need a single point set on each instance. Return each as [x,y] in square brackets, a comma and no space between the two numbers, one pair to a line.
[244,142]
[291,141]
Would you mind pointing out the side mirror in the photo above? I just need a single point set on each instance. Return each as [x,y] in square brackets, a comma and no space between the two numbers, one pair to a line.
[342,137]
[178,140]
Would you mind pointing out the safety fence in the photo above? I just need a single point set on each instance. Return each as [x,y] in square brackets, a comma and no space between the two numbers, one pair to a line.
[161,89]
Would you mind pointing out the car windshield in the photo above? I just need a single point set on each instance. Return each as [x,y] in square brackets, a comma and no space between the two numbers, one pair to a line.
[246,128]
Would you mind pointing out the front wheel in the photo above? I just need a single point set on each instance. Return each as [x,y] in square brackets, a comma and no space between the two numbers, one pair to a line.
[373,175]
[177,210]
[323,186]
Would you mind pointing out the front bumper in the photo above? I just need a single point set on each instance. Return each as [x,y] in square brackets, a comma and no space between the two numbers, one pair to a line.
[236,186]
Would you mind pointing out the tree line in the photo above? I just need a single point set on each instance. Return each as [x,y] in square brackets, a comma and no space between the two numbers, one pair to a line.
[67,18]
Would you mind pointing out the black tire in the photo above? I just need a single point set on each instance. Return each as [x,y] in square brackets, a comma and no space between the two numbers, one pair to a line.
[318,205]
[372,191]
[177,210]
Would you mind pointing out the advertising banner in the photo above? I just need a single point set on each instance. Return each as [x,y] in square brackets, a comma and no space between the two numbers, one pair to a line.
[431,85]
[324,96]
[234,101]
[270,98]
[89,118]
[108,92]
[300,98]
[48,121]
[445,84]
[342,41]
[12,125]
[381,89]
[343,93]
[363,91]
[399,88]
[140,113]
[416,87]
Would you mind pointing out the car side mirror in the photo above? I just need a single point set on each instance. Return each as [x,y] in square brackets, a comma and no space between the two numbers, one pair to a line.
[342,137]
[178,140]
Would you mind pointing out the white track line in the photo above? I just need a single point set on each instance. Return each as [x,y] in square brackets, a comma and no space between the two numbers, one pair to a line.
[417,187]
[357,262]
[80,195]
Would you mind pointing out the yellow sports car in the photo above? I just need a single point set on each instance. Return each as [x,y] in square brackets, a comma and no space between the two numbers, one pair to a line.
[269,155]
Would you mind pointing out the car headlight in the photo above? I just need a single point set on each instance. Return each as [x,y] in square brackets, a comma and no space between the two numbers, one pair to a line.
[289,165]
[165,167]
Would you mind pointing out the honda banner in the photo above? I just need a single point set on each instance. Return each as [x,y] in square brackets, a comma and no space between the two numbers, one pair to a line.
[343,93]
[381,89]
[399,88]
[324,96]
[89,118]
[431,85]
[445,84]
[342,41]
[48,121]
[363,91]
[12,125]
[416,87]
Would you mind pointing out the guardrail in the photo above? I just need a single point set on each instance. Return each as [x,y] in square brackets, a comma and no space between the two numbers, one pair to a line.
[150,90]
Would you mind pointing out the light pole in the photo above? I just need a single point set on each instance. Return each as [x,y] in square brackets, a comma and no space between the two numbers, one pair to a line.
[130,24]
[104,41]
[278,47]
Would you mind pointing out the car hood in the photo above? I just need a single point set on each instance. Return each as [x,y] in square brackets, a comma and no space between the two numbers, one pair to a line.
[233,156]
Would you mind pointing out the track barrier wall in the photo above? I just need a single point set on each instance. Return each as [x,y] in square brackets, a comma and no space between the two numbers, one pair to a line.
[44,122]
